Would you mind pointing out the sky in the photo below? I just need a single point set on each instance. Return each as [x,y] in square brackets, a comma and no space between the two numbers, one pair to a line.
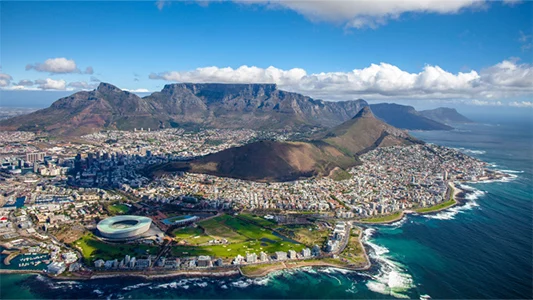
[423,53]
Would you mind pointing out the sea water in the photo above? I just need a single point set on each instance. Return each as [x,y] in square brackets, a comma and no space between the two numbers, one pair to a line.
[482,249]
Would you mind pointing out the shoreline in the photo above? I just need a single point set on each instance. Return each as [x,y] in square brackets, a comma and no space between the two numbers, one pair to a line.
[227,272]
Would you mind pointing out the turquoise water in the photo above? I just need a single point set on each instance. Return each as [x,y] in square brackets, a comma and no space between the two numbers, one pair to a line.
[480,250]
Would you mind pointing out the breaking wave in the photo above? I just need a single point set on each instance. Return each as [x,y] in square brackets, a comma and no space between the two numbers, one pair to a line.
[472,194]
[392,278]
[135,286]
[471,151]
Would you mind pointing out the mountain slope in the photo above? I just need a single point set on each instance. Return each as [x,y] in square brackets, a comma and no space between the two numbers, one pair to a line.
[84,112]
[266,161]
[254,106]
[405,117]
[283,161]
[364,132]
[445,115]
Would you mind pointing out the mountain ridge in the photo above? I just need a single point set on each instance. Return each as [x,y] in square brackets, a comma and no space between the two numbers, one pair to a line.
[254,106]
[445,115]
[405,117]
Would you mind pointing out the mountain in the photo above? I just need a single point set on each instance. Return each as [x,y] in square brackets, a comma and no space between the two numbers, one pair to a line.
[406,117]
[254,106]
[266,161]
[365,132]
[445,115]
[88,111]
[284,161]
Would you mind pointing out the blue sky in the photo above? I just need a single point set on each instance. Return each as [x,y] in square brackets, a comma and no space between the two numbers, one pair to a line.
[476,53]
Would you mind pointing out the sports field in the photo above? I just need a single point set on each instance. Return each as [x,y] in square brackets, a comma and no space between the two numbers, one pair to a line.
[118,209]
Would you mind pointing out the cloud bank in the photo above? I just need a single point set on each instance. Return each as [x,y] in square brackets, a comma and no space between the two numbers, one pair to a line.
[378,81]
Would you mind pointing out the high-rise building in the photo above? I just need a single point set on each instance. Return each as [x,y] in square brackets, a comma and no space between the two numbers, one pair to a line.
[33,157]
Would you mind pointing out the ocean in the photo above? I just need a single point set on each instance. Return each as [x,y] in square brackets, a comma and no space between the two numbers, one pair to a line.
[482,249]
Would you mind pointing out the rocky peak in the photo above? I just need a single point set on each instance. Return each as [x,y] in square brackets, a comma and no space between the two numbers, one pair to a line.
[106,88]
[365,112]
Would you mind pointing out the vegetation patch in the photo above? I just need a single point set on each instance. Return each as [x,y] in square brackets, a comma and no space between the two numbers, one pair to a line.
[118,209]
[353,254]
[192,235]
[242,237]
[261,269]
[436,207]
[93,249]
[309,235]
[382,219]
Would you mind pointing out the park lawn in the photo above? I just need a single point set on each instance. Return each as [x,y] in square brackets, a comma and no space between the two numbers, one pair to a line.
[261,269]
[257,220]
[381,219]
[302,234]
[243,237]
[93,249]
[216,228]
[229,251]
[250,230]
[353,253]
[118,209]
[192,235]
[437,207]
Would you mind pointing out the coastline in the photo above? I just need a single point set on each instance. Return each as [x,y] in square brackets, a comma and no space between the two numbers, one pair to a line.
[221,272]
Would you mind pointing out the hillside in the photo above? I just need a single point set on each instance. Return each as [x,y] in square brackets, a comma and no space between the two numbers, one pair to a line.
[365,132]
[445,115]
[405,117]
[285,161]
[254,106]
[266,161]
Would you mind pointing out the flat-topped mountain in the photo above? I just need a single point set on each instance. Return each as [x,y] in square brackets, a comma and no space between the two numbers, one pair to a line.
[405,117]
[445,115]
[254,106]
[285,161]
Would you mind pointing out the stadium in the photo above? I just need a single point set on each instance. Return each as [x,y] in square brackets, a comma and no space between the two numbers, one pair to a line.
[124,227]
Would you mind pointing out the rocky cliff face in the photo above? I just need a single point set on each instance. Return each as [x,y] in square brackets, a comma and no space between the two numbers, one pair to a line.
[254,106]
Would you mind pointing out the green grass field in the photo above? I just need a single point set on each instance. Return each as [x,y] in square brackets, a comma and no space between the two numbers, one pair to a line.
[93,249]
[192,235]
[382,219]
[257,220]
[302,234]
[433,208]
[242,236]
[354,253]
[118,209]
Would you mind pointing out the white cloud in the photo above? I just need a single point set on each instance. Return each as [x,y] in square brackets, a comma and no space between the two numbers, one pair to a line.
[5,79]
[366,13]
[485,103]
[51,84]
[161,4]
[55,65]
[378,81]
[521,104]
[59,65]
[137,90]
[25,82]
